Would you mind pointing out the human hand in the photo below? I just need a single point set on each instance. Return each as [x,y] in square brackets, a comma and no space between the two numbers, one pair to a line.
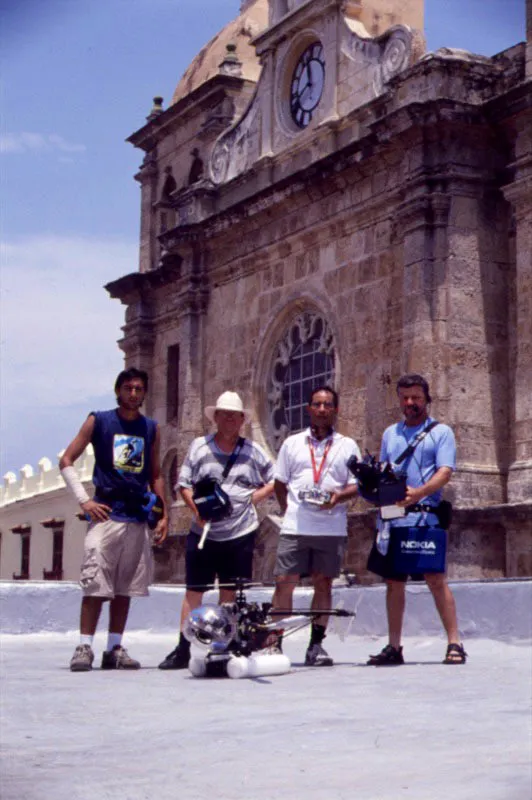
[98,512]
[161,531]
[412,497]
[335,499]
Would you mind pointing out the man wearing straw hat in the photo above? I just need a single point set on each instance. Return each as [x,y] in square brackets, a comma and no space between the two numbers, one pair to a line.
[227,551]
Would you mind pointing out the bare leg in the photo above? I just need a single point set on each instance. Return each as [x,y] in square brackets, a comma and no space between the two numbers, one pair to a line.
[191,601]
[284,592]
[90,614]
[395,609]
[118,613]
[445,604]
[322,597]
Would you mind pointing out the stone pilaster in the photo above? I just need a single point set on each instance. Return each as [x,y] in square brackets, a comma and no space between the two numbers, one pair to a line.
[520,473]
[147,177]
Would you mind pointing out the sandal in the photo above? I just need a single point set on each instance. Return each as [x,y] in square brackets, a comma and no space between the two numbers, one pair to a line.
[455,654]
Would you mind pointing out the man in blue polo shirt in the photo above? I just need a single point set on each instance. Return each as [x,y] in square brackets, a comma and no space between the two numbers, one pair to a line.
[428,468]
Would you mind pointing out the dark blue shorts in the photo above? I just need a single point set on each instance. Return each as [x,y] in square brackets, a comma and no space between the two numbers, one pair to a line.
[226,561]
[382,565]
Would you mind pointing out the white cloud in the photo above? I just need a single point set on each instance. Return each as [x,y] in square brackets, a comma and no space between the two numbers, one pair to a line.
[59,329]
[59,326]
[27,142]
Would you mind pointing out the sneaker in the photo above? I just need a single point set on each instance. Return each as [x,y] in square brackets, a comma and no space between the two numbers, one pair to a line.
[388,657]
[118,658]
[316,656]
[177,659]
[82,659]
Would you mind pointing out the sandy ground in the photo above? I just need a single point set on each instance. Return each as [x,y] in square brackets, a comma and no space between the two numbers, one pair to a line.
[423,731]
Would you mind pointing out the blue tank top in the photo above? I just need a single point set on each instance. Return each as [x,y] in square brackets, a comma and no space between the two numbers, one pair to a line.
[122,469]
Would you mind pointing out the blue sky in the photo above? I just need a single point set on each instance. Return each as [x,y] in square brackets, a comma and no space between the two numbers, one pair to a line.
[76,78]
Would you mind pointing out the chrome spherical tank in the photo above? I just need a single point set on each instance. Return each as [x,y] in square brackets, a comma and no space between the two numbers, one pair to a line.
[210,628]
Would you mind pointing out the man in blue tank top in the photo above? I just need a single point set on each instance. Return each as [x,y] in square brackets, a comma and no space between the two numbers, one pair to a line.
[428,467]
[118,562]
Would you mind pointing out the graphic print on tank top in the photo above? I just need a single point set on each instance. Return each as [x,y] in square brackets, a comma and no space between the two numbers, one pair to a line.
[128,452]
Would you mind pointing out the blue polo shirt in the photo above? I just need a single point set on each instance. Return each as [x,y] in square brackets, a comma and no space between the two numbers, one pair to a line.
[438,449]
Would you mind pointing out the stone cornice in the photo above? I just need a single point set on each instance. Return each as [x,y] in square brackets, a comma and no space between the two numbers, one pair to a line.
[134,285]
[201,99]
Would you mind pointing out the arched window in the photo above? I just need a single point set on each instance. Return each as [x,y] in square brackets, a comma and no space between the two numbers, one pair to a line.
[303,359]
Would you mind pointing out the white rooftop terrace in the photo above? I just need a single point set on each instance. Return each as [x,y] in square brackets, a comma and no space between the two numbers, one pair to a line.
[423,731]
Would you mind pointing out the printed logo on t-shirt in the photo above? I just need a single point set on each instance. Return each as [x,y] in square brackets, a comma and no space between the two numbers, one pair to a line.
[128,452]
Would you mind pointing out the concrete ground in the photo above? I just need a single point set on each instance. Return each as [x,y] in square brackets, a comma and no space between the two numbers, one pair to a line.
[423,731]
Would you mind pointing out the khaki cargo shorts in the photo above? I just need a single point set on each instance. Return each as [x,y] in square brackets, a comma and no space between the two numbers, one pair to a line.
[118,560]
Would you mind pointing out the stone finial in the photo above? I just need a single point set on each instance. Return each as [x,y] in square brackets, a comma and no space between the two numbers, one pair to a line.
[231,65]
[10,478]
[157,108]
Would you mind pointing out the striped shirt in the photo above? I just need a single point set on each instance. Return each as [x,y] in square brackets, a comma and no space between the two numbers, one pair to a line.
[251,470]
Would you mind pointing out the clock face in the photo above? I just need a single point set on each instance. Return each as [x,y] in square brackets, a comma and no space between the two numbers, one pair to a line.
[306,87]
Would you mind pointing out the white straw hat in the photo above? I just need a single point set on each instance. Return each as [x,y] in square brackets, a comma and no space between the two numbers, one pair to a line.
[228,401]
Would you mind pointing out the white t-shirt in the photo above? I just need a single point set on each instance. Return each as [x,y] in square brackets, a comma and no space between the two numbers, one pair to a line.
[294,468]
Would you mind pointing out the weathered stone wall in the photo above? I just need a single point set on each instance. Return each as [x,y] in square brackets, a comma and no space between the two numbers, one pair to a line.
[404,218]
[485,542]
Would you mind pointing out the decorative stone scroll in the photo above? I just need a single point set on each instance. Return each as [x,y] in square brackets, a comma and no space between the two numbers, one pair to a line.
[303,358]
[380,58]
[238,148]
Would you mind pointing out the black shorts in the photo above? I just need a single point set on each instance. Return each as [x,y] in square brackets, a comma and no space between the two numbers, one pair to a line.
[226,560]
[382,565]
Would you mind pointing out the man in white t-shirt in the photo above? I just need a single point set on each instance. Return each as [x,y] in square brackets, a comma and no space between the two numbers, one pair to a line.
[313,485]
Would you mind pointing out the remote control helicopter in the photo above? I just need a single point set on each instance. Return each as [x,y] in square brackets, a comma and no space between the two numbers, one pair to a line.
[243,639]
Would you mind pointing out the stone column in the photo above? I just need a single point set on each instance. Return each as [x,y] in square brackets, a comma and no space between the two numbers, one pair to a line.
[192,349]
[520,195]
[147,177]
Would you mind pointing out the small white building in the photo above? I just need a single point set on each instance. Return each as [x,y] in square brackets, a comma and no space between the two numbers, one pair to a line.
[41,529]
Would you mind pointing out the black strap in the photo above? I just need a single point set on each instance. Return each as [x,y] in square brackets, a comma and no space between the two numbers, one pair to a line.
[414,443]
[233,457]
[425,507]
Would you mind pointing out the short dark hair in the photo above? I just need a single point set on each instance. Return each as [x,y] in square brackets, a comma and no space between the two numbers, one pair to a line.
[130,374]
[324,389]
[412,379]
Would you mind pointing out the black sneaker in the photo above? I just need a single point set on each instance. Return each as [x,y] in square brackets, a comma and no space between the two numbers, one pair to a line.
[317,656]
[388,657]
[177,659]
[118,658]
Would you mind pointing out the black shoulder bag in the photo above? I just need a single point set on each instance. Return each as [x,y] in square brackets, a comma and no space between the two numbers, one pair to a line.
[212,502]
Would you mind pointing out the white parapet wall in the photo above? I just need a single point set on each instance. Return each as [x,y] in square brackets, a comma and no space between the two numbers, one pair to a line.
[30,503]
[47,478]
[486,609]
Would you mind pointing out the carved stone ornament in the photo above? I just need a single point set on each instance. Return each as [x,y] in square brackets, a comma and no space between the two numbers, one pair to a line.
[303,359]
[396,55]
[238,148]
[382,57]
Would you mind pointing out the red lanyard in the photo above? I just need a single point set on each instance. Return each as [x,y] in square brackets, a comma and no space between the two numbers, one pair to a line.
[317,472]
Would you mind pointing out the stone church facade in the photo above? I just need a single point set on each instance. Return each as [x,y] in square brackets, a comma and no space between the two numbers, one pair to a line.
[323,200]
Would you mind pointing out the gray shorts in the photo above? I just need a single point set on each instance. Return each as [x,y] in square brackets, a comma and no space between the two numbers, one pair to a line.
[305,555]
[118,560]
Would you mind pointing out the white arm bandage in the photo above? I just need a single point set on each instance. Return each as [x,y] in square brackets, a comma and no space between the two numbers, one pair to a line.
[70,477]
